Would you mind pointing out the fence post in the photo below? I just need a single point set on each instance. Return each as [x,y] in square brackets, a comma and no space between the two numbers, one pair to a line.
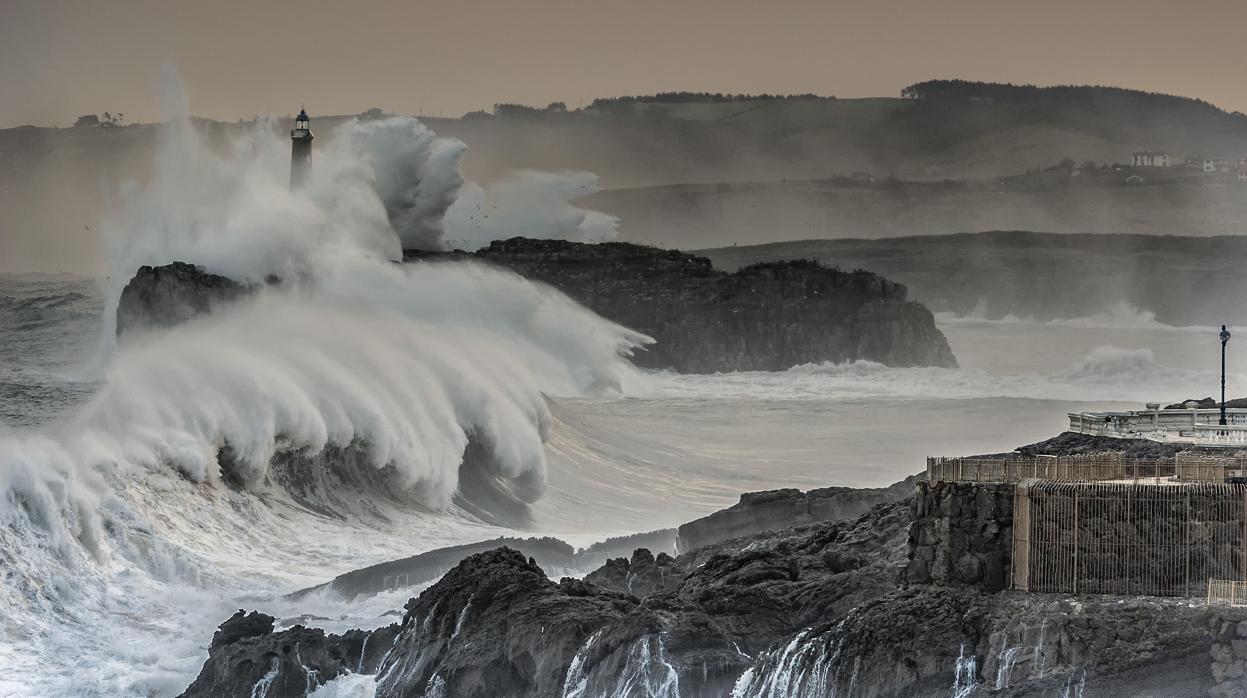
[1075,541]
[1186,547]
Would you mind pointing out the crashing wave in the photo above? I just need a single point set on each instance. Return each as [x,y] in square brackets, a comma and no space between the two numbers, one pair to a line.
[357,388]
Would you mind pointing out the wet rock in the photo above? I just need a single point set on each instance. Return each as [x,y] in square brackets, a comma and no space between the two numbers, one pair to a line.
[766,317]
[495,626]
[247,657]
[170,294]
[642,575]
[596,555]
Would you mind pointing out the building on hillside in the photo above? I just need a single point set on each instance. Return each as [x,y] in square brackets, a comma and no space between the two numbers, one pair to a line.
[1149,158]
[1242,174]
[1216,164]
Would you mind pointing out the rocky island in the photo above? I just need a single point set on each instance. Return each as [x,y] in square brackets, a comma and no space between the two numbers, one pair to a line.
[765,317]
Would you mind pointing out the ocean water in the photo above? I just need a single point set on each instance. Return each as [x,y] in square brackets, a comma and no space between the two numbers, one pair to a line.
[151,486]
[122,599]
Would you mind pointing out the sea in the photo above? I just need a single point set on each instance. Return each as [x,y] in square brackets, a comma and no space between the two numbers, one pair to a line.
[121,549]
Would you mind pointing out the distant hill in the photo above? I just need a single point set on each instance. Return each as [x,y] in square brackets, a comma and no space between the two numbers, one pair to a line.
[936,130]
[1184,281]
[689,169]
[1064,201]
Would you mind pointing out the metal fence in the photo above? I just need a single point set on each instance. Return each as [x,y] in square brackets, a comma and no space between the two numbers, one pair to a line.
[1092,467]
[1227,592]
[1128,538]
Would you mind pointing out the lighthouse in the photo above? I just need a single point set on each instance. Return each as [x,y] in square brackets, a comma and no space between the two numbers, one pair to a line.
[300,150]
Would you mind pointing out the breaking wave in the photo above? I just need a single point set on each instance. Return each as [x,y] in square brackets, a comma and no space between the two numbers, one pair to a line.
[1104,374]
[252,447]
[1118,315]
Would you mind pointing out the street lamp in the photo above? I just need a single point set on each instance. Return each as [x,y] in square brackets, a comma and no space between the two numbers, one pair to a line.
[1225,337]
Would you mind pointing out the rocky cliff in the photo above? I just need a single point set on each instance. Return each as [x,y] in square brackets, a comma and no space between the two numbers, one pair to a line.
[808,611]
[767,317]
[495,625]
[764,511]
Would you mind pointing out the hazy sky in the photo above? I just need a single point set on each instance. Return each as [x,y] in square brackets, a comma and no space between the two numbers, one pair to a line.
[62,58]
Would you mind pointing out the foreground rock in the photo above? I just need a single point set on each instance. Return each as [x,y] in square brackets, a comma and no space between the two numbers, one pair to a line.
[903,601]
[248,658]
[494,627]
[763,318]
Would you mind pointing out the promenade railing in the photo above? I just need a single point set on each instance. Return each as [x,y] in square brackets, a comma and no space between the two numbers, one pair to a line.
[1091,467]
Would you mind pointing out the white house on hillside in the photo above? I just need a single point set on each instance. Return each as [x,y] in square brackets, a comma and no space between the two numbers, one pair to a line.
[1150,158]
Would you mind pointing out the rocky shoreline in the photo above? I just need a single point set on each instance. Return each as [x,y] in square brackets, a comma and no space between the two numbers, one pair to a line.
[899,591]
[767,317]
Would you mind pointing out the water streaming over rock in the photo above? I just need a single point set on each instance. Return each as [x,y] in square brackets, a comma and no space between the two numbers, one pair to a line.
[965,674]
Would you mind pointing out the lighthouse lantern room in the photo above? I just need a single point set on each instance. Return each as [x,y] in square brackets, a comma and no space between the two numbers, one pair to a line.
[300,150]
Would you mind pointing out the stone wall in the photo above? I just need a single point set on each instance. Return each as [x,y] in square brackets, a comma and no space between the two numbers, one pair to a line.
[1229,653]
[961,535]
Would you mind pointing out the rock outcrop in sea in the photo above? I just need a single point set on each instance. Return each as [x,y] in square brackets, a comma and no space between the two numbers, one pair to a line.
[767,317]
[173,293]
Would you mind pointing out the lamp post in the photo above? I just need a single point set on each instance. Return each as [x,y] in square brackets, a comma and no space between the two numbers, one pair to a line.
[1225,337]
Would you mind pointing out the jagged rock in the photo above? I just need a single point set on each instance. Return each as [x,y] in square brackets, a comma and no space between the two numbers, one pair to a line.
[171,294]
[763,511]
[932,641]
[805,610]
[495,626]
[247,658]
[596,555]
[642,575]
[765,317]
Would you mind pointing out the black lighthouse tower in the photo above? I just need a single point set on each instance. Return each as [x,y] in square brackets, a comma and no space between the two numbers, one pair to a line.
[300,150]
